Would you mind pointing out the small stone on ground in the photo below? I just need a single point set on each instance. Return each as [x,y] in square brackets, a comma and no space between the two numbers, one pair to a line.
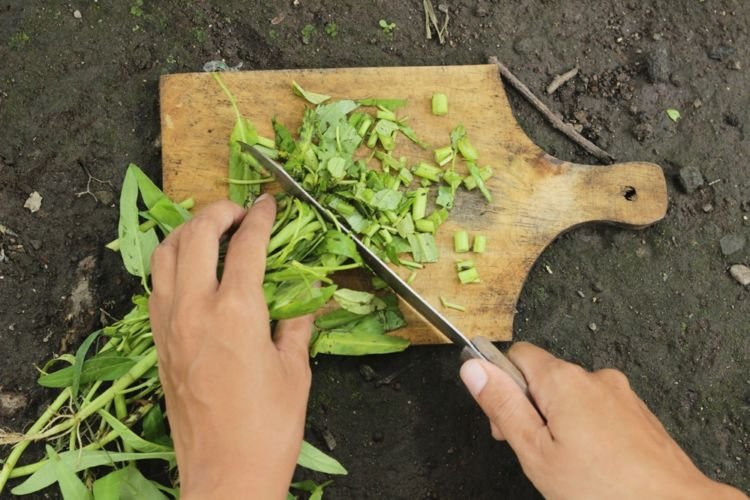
[732,243]
[690,178]
[33,202]
[740,273]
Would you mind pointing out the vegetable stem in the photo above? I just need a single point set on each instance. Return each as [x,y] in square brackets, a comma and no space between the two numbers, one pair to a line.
[114,245]
[461,241]
[20,447]
[439,104]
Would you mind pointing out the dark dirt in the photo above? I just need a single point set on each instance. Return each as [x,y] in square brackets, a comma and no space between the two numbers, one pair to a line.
[80,96]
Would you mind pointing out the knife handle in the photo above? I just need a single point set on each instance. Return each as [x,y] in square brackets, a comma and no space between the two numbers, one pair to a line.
[497,358]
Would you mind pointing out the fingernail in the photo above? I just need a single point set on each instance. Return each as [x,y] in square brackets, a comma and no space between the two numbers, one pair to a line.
[262,197]
[473,376]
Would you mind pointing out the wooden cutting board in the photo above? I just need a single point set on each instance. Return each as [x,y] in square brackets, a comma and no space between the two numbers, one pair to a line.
[536,196]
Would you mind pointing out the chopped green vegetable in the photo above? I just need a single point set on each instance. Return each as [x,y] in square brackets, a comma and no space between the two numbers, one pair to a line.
[443,155]
[419,208]
[480,243]
[460,142]
[470,275]
[427,171]
[425,226]
[423,247]
[451,305]
[357,301]
[474,171]
[411,278]
[673,114]
[392,104]
[463,265]
[461,241]
[439,104]
[310,97]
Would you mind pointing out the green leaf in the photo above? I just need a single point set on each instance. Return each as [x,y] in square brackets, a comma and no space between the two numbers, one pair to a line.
[336,166]
[310,97]
[423,247]
[71,486]
[312,458]
[78,364]
[167,214]
[330,114]
[135,246]
[338,243]
[336,318]
[315,490]
[130,438]
[80,460]
[106,366]
[293,299]
[356,344]
[150,193]
[357,301]
[673,114]
[386,199]
[108,487]
[154,429]
[391,104]
[474,171]
[135,486]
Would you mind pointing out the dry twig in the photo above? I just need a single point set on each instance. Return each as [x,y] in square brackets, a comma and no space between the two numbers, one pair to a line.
[560,80]
[554,120]
[88,184]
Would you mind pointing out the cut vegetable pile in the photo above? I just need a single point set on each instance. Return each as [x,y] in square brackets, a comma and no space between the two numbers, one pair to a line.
[110,408]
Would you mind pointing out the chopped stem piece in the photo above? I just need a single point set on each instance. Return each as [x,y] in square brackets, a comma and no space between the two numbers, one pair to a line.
[425,226]
[461,242]
[427,171]
[419,208]
[469,276]
[451,305]
[480,243]
[439,104]
[463,265]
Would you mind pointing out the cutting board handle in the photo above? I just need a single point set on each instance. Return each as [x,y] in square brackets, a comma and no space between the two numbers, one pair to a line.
[632,194]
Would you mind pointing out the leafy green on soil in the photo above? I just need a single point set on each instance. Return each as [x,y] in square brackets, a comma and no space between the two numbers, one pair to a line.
[673,114]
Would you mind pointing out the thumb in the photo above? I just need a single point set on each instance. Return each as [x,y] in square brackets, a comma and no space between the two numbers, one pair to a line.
[511,414]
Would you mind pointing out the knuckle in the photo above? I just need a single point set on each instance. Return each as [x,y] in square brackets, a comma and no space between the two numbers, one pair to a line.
[614,377]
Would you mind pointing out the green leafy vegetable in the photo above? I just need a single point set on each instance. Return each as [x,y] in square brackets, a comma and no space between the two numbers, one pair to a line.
[310,97]
[439,104]
[312,458]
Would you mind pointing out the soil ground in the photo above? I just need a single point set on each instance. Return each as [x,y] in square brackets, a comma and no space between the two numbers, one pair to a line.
[79,97]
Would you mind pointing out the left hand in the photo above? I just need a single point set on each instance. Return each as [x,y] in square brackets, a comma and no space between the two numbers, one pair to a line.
[236,398]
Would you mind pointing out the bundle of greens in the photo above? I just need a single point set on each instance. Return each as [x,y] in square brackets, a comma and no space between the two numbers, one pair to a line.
[109,412]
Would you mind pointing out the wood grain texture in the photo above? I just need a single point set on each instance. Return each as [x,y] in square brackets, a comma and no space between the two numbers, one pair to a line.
[536,197]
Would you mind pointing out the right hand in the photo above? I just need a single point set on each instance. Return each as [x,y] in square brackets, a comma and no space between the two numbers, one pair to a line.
[592,436]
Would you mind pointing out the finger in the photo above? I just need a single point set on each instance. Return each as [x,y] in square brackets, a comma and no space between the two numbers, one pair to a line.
[163,271]
[541,370]
[244,265]
[292,339]
[293,335]
[198,246]
[505,405]
[496,432]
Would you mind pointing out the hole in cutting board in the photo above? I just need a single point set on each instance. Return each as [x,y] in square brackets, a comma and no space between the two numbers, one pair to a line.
[630,193]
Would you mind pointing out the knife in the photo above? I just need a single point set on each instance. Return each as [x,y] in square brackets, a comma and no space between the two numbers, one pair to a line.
[477,347]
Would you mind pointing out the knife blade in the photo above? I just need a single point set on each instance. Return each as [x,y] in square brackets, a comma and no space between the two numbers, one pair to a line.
[478,348]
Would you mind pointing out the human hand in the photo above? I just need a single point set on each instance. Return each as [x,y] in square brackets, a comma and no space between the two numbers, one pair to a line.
[595,438]
[236,398]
